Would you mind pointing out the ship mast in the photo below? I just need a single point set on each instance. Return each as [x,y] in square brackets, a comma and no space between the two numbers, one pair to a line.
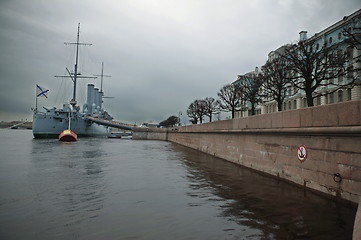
[73,101]
[101,77]
[74,76]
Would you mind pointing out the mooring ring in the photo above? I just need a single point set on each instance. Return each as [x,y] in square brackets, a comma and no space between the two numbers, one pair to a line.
[337,177]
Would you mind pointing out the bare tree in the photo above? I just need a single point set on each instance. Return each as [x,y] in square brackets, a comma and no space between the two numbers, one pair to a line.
[276,81]
[230,95]
[250,84]
[353,37]
[192,113]
[312,66]
[196,111]
[211,107]
[170,122]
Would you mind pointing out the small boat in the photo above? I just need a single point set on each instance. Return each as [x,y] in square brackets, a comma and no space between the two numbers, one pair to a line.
[68,136]
[124,135]
[115,135]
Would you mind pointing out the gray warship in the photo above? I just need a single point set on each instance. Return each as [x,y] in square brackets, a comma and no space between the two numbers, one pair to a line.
[92,121]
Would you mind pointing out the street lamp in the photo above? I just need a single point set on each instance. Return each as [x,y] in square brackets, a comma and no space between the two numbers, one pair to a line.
[179,118]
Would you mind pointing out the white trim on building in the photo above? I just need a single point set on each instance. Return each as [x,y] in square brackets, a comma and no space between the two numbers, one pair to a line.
[331,36]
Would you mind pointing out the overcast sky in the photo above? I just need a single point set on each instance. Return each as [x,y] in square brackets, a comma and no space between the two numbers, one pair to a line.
[161,54]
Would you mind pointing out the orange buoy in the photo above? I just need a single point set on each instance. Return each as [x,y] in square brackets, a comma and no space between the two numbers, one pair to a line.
[68,136]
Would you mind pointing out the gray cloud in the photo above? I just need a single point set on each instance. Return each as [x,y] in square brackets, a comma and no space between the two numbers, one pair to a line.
[162,55]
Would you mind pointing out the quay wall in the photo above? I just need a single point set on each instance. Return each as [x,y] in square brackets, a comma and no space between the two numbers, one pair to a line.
[268,143]
[140,133]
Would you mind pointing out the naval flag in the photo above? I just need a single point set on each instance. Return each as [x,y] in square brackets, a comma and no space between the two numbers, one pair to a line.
[41,92]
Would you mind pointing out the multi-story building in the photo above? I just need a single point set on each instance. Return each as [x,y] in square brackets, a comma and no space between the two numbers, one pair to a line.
[246,81]
[336,36]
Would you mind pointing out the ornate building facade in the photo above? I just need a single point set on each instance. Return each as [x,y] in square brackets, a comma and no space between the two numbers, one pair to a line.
[344,37]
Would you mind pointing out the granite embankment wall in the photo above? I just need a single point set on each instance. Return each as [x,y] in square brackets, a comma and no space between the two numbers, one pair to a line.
[268,143]
[150,134]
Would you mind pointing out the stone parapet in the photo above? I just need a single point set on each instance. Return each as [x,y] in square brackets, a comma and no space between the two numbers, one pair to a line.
[140,133]
[330,115]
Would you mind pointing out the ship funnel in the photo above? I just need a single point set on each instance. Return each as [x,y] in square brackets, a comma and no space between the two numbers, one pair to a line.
[90,97]
[101,94]
[96,98]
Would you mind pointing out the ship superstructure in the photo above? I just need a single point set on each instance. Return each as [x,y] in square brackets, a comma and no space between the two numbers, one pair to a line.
[51,122]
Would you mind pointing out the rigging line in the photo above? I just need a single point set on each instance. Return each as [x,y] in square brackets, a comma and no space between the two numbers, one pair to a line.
[91,63]
[58,95]
[58,92]
[64,89]
[82,70]
[88,62]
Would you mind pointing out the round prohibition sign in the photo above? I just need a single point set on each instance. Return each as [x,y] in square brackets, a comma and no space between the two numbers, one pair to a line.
[302,153]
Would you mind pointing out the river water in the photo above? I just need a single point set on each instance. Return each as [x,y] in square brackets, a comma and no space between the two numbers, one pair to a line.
[100,188]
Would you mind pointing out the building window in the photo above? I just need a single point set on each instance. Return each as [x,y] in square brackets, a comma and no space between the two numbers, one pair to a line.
[349,94]
[330,81]
[339,54]
[331,98]
[294,104]
[330,40]
[284,106]
[289,91]
[340,95]
[330,57]
[350,73]
[317,46]
[340,76]
[339,35]
[289,105]
[349,52]
[326,99]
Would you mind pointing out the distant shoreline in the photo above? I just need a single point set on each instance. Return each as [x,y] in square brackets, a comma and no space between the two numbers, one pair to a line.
[26,125]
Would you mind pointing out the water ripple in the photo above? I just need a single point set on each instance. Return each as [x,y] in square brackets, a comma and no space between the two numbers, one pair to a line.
[106,189]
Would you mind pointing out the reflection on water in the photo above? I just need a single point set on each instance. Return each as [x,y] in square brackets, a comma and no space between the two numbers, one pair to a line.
[270,208]
[99,188]
[67,179]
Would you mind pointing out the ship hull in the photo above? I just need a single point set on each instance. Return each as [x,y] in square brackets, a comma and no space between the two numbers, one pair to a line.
[50,126]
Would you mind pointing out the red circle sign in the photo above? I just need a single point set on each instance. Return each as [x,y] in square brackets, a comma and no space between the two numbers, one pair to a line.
[302,153]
